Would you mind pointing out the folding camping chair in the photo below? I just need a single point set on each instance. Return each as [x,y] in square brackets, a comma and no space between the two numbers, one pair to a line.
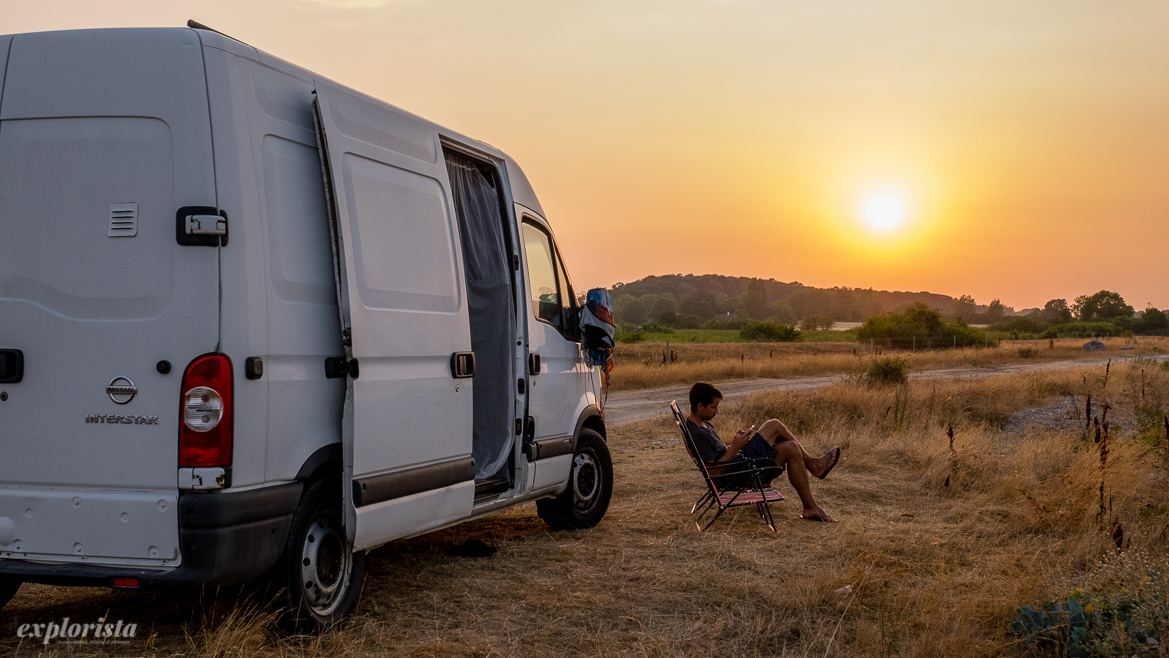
[752,492]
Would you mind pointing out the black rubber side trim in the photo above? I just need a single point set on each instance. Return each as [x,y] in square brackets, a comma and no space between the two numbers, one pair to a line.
[217,510]
[322,456]
[554,447]
[380,488]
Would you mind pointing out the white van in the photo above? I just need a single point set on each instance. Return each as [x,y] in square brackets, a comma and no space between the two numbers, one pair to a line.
[253,322]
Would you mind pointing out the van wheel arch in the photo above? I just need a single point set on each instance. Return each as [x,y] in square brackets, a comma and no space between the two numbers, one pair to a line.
[591,418]
[325,462]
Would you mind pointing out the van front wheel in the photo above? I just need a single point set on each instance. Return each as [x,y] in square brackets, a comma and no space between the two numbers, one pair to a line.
[590,487]
[8,587]
[322,574]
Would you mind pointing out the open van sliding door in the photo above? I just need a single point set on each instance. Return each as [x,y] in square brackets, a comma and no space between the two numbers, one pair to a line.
[407,423]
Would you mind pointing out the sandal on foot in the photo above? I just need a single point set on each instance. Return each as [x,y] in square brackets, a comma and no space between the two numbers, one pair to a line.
[832,465]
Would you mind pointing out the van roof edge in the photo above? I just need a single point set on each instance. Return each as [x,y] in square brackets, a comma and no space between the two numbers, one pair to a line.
[196,25]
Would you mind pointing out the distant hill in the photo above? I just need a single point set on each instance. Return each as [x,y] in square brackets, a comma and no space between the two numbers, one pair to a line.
[666,298]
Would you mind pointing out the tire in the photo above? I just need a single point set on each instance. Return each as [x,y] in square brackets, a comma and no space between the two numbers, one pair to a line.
[8,587]
[590,487]
[320,574]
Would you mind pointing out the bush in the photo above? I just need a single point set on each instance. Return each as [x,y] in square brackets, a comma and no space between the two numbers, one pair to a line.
[769,332]
[890,370]
[1082,330]
[655,328]
[1028,353]
[814,322]
[1021,325]
[624,333]
[918,321]
[1121,610]
[733,323]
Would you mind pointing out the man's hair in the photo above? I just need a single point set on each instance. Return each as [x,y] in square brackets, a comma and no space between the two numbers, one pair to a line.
[703,393]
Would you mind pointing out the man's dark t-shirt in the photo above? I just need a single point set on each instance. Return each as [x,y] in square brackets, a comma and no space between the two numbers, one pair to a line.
[710,448]
[706,441]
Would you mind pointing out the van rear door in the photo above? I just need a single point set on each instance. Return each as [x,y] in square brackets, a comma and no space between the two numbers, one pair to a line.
[408,411]
[104,135]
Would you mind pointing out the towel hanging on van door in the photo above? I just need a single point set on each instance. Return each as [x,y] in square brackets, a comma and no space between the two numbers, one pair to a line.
[596,327]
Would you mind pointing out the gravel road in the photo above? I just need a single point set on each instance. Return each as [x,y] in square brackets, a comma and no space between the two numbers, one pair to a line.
[628,406]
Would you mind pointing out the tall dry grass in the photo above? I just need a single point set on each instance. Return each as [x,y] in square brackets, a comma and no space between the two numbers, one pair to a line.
[641,366]
[939,540]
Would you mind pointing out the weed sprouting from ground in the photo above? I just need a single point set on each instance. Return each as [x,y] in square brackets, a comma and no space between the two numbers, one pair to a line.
[888,370]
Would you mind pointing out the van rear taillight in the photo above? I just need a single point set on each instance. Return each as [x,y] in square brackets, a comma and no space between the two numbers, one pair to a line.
[205,433]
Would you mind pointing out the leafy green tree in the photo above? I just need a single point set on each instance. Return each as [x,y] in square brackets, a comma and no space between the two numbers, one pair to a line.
[665,309]
[1103,305]
[783,313]
[1153,321]
[995,312]
[755,299]
[964,308]
[700,302]
[1056,310]
[631,309]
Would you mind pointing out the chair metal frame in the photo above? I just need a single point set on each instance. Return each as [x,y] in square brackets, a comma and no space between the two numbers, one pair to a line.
[753,493]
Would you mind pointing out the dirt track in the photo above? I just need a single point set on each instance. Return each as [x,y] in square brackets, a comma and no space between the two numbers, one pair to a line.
[628,406]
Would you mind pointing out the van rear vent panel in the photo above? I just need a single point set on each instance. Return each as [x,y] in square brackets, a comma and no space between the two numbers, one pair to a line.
[123,220]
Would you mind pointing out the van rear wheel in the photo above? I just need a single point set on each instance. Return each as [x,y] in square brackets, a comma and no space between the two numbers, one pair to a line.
[8,587]
[590,487]
[322,576]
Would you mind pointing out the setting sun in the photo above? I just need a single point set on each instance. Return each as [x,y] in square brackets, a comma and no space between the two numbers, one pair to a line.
[884,212]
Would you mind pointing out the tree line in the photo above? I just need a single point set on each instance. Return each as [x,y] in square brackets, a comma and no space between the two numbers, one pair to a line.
[716,301]
[691,301]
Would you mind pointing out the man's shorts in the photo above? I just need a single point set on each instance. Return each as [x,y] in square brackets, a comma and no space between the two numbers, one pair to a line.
[762,453]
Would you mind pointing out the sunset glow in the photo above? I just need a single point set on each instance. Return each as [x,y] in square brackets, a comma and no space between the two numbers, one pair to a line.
[884,212]
[963,147]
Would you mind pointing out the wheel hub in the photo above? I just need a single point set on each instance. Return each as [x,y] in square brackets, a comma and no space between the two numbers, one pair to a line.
[326,566]
[586,480]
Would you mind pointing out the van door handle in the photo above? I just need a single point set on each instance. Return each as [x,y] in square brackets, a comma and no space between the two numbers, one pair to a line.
[462,365]
[337,367]
[11,366]
[533,364]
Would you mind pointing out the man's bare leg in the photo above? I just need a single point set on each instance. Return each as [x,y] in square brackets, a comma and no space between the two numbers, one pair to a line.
[790,455]
[776,433]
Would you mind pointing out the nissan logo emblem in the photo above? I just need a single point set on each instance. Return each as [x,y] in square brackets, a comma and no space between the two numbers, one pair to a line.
[121,390]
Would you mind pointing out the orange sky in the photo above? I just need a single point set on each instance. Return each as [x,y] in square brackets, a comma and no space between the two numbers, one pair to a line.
[1029,140]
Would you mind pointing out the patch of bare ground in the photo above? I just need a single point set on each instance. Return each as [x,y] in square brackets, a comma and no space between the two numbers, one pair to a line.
[937,542]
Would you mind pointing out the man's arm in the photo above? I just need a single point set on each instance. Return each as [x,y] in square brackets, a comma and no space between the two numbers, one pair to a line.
[733,450]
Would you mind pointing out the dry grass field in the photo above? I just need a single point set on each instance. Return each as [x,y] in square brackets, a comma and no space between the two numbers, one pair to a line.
[640,365]
[937,542]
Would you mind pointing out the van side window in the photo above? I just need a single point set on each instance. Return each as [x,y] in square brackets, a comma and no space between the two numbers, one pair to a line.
[542,281]
[567,302]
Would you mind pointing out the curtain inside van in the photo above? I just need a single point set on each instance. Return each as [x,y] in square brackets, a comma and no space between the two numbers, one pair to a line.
[485,262]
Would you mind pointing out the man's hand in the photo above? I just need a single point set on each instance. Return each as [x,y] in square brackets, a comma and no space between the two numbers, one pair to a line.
[741,439]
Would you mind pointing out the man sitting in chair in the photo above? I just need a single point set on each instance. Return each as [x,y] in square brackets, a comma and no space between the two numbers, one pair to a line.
[773,443]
